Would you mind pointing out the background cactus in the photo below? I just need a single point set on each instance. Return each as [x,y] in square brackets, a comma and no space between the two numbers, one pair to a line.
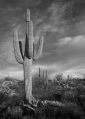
[39,73]
[26,58]
[45,78]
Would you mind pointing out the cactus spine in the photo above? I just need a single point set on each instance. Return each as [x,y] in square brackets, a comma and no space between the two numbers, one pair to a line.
[26,58]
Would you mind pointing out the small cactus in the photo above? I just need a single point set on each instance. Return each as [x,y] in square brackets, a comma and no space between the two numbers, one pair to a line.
[68,77]
[26,58]
[39,73]
[45,78]
[43,75]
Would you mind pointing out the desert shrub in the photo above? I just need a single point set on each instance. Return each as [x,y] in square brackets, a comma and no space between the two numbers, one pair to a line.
[70,111]
[14,112]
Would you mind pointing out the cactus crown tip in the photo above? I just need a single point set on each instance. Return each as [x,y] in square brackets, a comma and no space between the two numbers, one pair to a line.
[28,14]
[28,10]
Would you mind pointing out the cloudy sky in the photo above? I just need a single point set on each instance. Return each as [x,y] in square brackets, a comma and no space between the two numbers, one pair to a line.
[61,22]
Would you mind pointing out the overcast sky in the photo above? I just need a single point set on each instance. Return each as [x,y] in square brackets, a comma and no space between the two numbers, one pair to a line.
[62,22]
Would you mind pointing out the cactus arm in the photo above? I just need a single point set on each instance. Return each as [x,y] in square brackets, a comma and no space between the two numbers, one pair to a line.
[33,52]
[17,49]
[21,50]
[40,48]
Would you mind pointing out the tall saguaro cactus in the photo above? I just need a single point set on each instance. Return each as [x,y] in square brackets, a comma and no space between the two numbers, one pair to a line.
[27,56]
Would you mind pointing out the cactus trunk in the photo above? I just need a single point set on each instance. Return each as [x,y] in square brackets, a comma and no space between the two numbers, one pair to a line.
[28,78]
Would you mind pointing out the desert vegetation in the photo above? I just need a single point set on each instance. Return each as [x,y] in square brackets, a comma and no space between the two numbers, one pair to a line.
[69,96]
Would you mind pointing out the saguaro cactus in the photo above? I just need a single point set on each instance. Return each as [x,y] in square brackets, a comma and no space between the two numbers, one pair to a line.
[39,73]
[43,75]
[45,78]
[27,55]
[46,74]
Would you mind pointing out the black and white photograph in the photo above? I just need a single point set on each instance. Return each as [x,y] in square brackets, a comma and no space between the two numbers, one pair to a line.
[42,59]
